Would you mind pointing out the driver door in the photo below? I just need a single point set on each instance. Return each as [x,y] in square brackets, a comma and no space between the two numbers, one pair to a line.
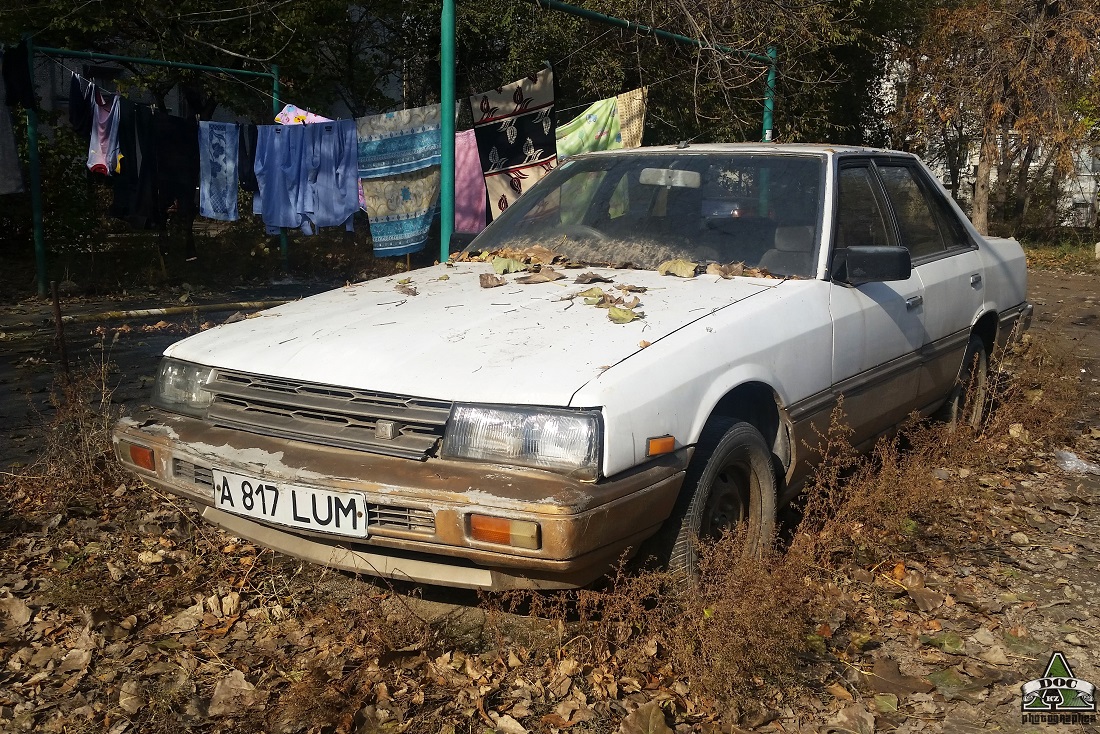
[878,328]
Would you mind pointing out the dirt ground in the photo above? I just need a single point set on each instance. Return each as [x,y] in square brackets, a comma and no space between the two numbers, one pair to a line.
[195,631]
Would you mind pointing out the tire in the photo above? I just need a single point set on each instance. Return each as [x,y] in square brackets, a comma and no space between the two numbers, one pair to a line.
[731,481]
[967,400]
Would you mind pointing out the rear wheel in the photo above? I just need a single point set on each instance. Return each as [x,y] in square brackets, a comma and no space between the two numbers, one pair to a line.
[966,403]
[730,485]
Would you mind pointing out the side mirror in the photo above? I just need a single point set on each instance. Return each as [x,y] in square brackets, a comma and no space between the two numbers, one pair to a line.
[878,264]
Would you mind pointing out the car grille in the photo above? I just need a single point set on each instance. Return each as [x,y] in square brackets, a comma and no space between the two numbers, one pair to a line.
[332,416]
[410,519]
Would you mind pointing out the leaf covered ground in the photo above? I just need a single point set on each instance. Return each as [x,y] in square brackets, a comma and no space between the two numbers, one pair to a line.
[920,590]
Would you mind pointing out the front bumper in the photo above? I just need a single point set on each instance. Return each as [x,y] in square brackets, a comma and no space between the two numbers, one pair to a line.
[421,526]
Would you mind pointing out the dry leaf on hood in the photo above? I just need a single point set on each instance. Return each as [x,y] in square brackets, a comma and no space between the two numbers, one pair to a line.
[643,343]
[632,288]
[590,277]
[726,271]
[488,280]
[679,267]
[591,293]
[544,275]
[505,265]
[623,315]
[407,290]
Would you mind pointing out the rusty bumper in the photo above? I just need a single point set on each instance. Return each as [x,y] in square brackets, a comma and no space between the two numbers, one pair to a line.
[420,526]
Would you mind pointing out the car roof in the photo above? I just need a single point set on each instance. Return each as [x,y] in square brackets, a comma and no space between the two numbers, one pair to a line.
[767,148]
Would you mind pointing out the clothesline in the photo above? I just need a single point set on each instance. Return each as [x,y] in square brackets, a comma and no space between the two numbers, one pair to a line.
[647,84]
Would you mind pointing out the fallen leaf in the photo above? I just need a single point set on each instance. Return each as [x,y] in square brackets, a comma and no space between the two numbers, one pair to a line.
[646,719]
[886,677]
[726,271]
[16,609]
[130,697]
[632,288]
[505,724]
[926,599]
[593,292]
[839,691]
[590,277]
[488,280]
[404,281]
[623,315]
[407,290]
[544,275]
[853,719]
[233,694]
[505,265]
[946,641]
[643,343]
[679,267]
[444,277]
[557,722]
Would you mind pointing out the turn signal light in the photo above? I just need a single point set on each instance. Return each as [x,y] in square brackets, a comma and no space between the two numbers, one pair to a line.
[502,531]
[660,445]
[143,457]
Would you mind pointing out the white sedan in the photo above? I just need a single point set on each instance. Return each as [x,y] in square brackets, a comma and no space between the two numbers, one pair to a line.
[639,350]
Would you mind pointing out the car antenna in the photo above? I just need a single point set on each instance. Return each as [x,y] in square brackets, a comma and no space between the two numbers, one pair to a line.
[684,143]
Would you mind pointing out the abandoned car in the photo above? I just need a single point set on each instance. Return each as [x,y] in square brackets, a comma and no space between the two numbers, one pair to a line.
[639,350]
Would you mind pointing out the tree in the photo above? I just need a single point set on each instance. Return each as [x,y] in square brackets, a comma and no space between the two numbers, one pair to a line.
[1012,75]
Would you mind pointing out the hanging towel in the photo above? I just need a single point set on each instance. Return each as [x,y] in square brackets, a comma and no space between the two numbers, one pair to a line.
[80,105]
[218,170]
[631,108]
[176,141]
[401,209]
[597,128]
[514,126]
[103,153]
[399,142]
[399,154]
[19,87]
[469,185]
[11,173]
[246,158]
[278,174]
[292,115]
[124,183]
[329,193]
[144,212]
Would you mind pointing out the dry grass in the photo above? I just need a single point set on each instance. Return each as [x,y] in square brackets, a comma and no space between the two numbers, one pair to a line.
[745,632]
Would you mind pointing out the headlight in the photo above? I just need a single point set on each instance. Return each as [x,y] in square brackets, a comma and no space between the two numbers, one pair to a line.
[181,387]
[565,441]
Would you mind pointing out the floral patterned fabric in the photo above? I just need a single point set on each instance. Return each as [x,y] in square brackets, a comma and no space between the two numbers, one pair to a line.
[514,127]
[293,115]
[399,154]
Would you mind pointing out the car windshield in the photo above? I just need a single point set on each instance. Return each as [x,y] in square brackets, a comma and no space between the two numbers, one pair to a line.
[642,210]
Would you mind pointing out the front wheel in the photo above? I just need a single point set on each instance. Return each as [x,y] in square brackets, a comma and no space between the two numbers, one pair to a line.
[730,485]
[967,401]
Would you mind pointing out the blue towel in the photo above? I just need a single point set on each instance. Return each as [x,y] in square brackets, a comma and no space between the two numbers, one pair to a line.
[218,170]
[329,193]
[278,172]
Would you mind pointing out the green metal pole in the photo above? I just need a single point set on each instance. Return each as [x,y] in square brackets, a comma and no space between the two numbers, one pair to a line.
[276,105]
[36,181]
[447,128]
[769,96]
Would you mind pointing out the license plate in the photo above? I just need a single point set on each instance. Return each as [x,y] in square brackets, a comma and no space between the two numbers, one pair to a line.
[320,510]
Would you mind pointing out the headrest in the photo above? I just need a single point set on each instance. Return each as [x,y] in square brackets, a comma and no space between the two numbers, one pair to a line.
[795,239]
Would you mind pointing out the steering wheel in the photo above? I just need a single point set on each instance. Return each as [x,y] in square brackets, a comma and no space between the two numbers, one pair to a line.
[581,230]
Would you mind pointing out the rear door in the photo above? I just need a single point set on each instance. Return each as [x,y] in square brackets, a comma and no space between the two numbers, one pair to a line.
[949,266]
[878,328]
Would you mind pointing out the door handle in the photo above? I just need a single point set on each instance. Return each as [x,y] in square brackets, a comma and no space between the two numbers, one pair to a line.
[913,301]
[976,279]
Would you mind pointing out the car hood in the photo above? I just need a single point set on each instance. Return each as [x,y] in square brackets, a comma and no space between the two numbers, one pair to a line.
[455,340]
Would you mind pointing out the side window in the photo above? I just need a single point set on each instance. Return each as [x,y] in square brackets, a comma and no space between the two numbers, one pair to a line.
[953,231]
[920,228]
[860,219]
